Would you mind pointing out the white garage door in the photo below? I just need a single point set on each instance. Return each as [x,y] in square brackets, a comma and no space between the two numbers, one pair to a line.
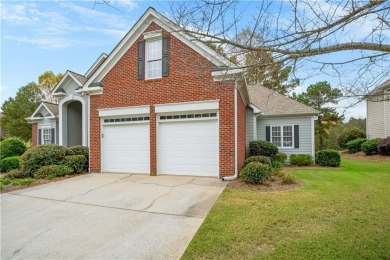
[188,147]
[125,147]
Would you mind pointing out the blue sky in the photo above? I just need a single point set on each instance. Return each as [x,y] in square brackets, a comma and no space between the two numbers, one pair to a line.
[37,36]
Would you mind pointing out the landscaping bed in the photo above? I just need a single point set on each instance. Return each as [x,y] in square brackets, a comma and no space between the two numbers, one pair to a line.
[363,156]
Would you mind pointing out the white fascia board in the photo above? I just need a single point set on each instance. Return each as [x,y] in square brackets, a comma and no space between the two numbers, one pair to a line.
[187,106]
[102,56]
[66,75]
[228,74]
[256,110]
[152,16]
[90,91]
[124,111]
[58,94]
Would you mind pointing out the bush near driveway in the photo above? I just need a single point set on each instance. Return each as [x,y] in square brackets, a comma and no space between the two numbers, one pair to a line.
[370,147]
[42,155]
[77,162]
[301,159]
[9,163]
[384,146]
[51,171]
[262,148]
[328,157]
[11,147]
[259,158]
[355,146]
[17,174]
[79,150]
[256,173]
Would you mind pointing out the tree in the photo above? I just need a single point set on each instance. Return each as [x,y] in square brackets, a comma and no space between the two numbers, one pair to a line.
[46,82]
[301,35]
[15,110]
[319,96]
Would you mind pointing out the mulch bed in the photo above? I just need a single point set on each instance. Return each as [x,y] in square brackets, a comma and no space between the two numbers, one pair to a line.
[364,157]
[10,188]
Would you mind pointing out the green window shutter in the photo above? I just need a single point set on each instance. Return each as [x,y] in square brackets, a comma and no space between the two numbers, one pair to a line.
[39,136]
[53,140]
[165,56]
[141,60]
[296,136]
[268,133]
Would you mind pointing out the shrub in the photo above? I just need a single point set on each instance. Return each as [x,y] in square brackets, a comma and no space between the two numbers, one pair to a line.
[276,165]
[288,179]
[328,157]
[79,150]
[42,155]
[384,146]
[349,135]
[262,148]
[301,159]
[370,147]
[256,173]
[9,163]
[50,171]
[355,146]
[11,147]
[281,157]
[17,174]
[259,158]
[76,162]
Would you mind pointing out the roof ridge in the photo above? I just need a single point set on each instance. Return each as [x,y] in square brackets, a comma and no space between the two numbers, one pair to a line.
[71,71]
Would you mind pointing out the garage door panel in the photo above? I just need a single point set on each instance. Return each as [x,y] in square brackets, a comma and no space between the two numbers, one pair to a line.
[188,148]
[126,148]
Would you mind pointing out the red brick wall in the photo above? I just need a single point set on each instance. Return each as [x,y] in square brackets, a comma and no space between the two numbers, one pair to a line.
[241,132]
[34,137]
[189,80]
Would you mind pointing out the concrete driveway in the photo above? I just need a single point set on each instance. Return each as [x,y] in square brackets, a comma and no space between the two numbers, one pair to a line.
[106,216]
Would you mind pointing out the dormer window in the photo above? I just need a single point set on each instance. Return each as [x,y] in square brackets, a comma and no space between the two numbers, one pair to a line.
[152,62]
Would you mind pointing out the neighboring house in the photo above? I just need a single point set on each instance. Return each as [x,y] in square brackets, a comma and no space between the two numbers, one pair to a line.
[378,112]
[163,103]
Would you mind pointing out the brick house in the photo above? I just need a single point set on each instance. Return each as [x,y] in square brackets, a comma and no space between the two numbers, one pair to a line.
[162,103]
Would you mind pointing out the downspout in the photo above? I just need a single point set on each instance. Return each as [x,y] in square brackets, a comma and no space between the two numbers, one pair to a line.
[231,178]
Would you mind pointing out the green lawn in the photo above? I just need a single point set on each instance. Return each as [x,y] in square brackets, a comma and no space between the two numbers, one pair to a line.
[338,214]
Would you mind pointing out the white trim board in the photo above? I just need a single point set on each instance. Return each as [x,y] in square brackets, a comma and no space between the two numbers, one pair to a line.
[123,111]
[187,106]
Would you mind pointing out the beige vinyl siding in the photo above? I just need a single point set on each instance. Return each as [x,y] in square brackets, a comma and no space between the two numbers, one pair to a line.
[249,128]
[305,132]
[376,119]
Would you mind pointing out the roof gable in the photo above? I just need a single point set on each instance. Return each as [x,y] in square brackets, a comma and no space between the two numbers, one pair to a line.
[50,108]
[79,79]
[151,15]
[273,103]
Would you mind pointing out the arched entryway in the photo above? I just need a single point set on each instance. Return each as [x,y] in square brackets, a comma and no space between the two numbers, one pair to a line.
[74,123]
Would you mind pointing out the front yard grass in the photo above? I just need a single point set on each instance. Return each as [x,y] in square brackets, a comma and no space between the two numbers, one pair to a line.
[341,213]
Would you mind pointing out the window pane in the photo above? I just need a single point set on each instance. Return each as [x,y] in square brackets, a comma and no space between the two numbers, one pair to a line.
[276,136]
[287,136]
[154,69]
[154,50]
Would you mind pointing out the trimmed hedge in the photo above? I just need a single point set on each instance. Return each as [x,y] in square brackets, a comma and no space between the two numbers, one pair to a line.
[256,173]
[260,159]
[76,162]
[370,147]
[262,148]
[355,146]
[301,159]
[79,150]
[51,171]
[349,135]
[11,147]
[42,155]
[16,174]
[384,146]
[328,157]
[281,157]
[9,163]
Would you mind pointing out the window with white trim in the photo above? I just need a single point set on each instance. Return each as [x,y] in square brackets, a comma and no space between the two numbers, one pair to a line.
[282,136]
[153,59]
[46,136]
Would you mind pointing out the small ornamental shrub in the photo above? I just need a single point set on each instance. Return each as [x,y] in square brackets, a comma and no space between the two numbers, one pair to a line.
[301,159]
[79,150]
[355,146]
[262,148]
[11,147]
[276,165]
[51,171]
[17,174]
[76,162]
[384,146]
[328,157]
[370,147]
[256,173]
[281,157]
[259,158]
[349,135]
[9,163]
[288,179]
[42,155]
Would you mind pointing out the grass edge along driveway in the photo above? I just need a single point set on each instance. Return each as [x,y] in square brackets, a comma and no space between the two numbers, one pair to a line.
[339,213]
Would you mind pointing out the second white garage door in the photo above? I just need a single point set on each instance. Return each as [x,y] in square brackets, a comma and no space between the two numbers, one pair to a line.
[125,148]
[188,148]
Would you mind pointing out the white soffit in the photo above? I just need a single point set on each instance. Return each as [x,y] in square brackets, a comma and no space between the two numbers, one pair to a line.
[124,111]
[187,106]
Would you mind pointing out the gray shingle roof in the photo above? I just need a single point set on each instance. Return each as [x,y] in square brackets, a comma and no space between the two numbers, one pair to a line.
[381,88]
[79,77]
[273,103]
[52,107]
